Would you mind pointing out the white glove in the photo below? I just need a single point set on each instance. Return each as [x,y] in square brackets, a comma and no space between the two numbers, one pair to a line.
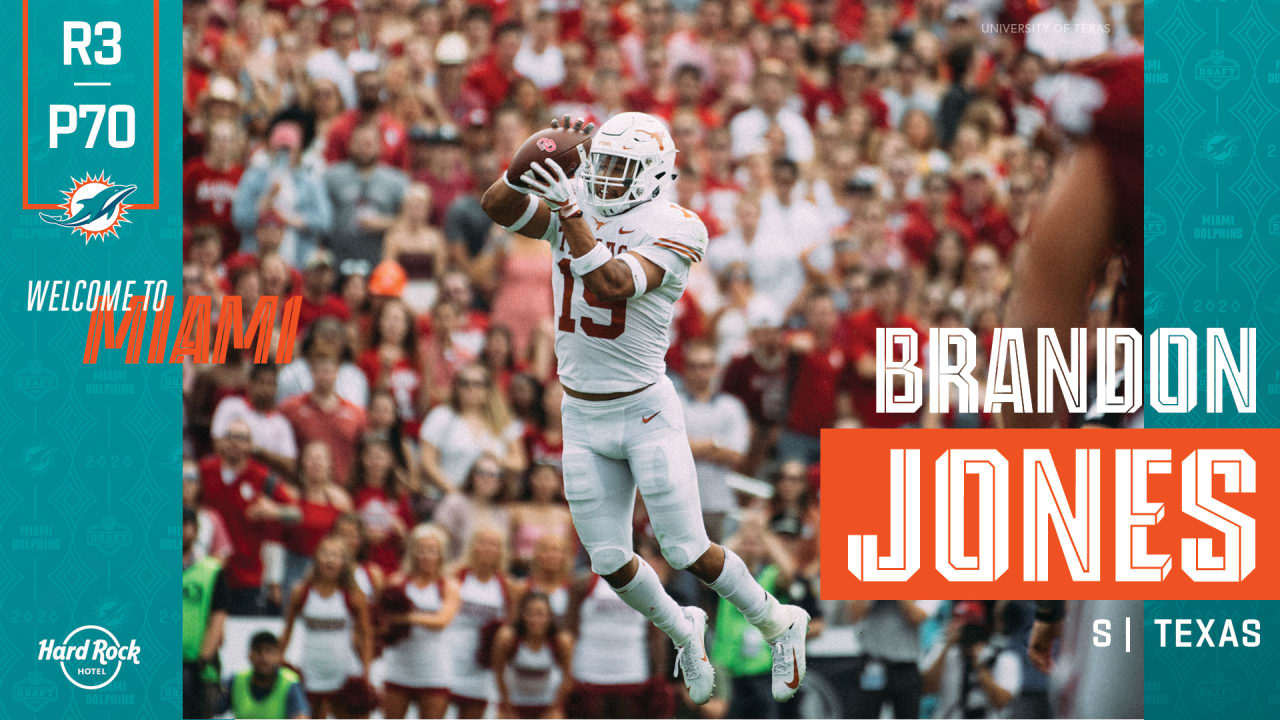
[552,185]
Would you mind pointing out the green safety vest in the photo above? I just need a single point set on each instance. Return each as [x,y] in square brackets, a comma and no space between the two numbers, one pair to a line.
[732,650]
[197,594]
[274,705]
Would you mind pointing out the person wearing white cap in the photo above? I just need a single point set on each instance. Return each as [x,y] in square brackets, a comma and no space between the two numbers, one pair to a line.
[454,99]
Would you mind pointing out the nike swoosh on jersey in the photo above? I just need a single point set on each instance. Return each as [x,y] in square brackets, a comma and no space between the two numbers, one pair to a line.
[646,420]
[622,231]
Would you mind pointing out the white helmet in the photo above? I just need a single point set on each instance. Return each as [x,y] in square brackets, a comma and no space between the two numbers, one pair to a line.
[632,159]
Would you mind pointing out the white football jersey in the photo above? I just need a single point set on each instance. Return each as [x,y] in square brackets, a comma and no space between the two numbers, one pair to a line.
[619,347]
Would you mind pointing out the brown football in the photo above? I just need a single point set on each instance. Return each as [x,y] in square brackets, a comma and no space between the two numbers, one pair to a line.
[556,144]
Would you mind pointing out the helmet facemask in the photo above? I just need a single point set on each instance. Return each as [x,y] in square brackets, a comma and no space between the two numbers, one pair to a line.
[616,183]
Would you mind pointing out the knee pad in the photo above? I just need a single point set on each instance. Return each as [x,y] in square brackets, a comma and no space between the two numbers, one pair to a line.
[679,556]
[609,560]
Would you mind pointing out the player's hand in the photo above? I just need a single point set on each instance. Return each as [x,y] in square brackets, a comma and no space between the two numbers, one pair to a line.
[548,181]
[1040,646]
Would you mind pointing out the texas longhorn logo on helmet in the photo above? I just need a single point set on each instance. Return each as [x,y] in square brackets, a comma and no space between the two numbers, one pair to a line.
[94,207]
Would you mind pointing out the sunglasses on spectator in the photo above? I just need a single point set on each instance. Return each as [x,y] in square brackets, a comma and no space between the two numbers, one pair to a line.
[240,437]
[471,382]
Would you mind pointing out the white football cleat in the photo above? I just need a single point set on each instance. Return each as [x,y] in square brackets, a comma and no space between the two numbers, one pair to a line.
[788,655]
[691,660]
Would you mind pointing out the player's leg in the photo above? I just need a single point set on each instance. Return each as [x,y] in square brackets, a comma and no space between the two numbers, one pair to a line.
[602,495]
[660,458]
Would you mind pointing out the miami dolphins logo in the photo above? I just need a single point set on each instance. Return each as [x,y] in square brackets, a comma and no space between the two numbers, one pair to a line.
[95,207]
[1218,147]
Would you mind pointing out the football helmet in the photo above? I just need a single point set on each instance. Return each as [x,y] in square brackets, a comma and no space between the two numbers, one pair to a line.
[632,159]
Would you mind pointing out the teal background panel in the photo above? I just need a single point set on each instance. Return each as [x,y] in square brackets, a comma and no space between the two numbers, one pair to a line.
[90,455]
[1212,243]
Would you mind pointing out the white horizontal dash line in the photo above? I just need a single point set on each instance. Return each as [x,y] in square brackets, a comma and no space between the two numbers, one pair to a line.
[92,84]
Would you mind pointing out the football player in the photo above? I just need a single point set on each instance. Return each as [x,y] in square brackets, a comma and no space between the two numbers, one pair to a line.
[622,253]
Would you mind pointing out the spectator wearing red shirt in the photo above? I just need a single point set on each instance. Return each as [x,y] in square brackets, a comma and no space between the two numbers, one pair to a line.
[368,110]
[321,502]
[573,96]
[758,378]
[209,185]
[770,11]
[886,289]
[437,159]
[250,502]
[1024,112]
[493,74]
[851,86]
[977,212]
[318,298]
[322,415]
[382,502]
[817,364]
[392,361]
[928,217]
[690,95]
[544,436]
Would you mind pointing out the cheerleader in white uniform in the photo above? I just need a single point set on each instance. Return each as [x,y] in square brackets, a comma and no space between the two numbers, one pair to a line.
[611,665]
[531,662]
[369,577]
[483,587]
[338,643]
[550,574]
[418,667]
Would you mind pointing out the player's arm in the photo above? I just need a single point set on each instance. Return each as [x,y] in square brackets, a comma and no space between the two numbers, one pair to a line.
[1064,252]
[508,206]
[617,278]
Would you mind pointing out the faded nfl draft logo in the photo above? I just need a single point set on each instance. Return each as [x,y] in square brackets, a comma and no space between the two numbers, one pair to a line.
[1217,70]
[95,207]
[90,656]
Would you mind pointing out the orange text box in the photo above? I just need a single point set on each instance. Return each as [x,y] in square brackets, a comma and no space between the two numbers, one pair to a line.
[857,502]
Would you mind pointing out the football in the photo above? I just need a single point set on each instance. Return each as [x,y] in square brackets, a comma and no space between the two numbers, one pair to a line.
[556,144]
